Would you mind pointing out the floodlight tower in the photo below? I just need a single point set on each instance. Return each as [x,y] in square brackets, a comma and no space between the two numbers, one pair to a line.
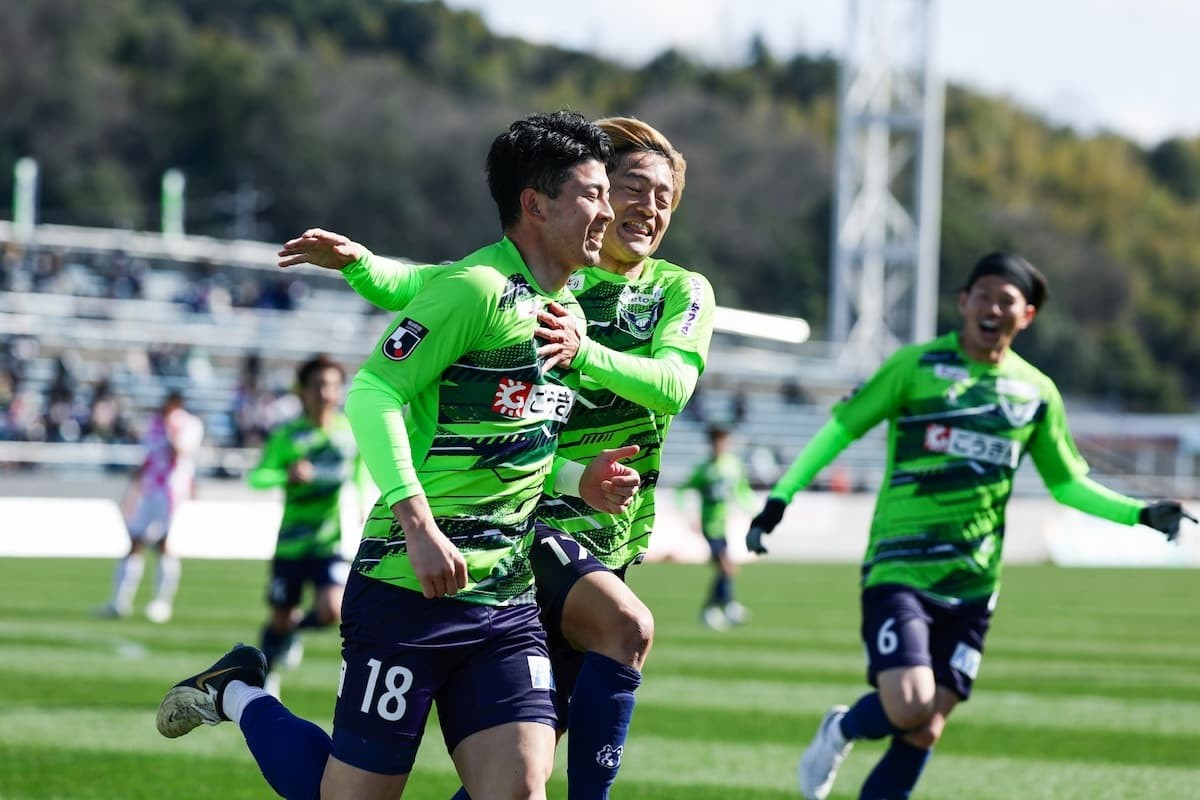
[887,196]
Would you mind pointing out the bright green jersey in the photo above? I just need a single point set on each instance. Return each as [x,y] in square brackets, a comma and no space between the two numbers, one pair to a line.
[957,431]
[665,307]
[311,524]
[482,421]
[719,481]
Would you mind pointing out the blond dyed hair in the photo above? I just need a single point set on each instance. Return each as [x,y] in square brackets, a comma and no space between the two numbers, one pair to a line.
[632,135]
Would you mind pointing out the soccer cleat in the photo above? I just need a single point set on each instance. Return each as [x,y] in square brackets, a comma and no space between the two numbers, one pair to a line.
[819,764]
[713,617]
[197,700]
[112,611]
[294,653]
[158,611]
[736,613]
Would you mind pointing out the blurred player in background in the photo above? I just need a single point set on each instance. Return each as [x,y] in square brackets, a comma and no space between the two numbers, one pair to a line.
[962,412]
[312,457]
[165,479]
[720,480]
[457,416]
[649,324]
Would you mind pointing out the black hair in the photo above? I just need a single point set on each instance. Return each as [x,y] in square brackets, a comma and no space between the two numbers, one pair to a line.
[1016,270]
[538,152]
[318,363]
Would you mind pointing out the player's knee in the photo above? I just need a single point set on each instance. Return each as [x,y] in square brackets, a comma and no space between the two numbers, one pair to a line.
[926,736]
[632,635]
[910,714]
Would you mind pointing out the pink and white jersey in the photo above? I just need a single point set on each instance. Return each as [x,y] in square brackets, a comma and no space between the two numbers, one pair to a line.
[172,444]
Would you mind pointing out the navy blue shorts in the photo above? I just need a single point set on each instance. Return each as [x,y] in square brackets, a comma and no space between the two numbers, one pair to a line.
[482,665]
[558,562]
[288,576]
[901,627]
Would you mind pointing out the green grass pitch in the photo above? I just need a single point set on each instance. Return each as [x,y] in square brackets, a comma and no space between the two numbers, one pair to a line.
[1090,688]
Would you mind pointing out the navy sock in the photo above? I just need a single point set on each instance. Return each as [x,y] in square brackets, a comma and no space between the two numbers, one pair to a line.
[461,794]
[597,724]
[291,752]
[866,719]
[896,773]
[721,590]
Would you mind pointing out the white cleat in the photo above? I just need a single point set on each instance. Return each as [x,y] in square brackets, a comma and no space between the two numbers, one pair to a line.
[294,654]
[158,611]
[828,749]
[713,618]
[736,613]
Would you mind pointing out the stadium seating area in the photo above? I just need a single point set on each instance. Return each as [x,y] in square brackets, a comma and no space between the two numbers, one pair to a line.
[96,326]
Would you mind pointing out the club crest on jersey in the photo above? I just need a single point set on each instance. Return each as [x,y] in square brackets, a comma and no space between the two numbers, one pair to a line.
[519,295]
[521,400]
[575,282]
[408,334]
[638,312]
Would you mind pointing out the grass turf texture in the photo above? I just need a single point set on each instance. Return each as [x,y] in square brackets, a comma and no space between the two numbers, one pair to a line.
[1090,688]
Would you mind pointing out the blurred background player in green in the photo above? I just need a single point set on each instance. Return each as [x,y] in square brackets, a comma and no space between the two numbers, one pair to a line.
[720,479]
[649,324]
[312,458]
[962,410]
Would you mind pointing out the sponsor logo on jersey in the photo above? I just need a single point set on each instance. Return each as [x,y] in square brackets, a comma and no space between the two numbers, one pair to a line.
[522,400]
[972,445]
[638,312]
[540,674]
[693,312]
[408,334]
[951,372]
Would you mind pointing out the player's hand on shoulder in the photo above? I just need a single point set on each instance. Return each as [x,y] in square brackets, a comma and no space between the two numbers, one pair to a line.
[1165,517]
[764,523]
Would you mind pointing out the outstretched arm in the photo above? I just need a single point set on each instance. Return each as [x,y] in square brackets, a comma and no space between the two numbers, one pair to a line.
[822,449]
[1090,497]
[382,282]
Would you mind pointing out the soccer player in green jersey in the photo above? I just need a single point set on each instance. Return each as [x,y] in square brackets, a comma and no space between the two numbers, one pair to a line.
[439,604]
[720,479]
[962,411]
[312,458]
[649,323]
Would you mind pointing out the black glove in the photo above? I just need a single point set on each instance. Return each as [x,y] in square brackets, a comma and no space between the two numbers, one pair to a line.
[1164,516]
[764,523]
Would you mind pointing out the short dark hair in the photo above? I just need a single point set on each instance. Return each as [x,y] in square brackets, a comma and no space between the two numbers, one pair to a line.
[318,363]
[538,152]
[1016,270]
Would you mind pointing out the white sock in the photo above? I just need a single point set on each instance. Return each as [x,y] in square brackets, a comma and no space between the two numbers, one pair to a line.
[167,579]
[126,578]
[238,695]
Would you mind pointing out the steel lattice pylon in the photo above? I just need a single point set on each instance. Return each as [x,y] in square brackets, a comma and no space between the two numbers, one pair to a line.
[887,204]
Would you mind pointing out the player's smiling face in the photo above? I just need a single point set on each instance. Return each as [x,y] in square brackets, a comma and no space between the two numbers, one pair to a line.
[994,311]
[578,217]
[642,190]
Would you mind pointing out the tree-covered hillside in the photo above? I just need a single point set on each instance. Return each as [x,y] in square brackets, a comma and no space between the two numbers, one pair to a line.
[372,117]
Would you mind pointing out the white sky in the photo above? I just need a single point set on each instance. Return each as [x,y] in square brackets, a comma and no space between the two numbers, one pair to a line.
[1132,66]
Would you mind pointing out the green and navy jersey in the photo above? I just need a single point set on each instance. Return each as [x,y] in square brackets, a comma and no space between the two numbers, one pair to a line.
[957,431]
[482,419]
[719,481]
[665,306]
[311,523]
